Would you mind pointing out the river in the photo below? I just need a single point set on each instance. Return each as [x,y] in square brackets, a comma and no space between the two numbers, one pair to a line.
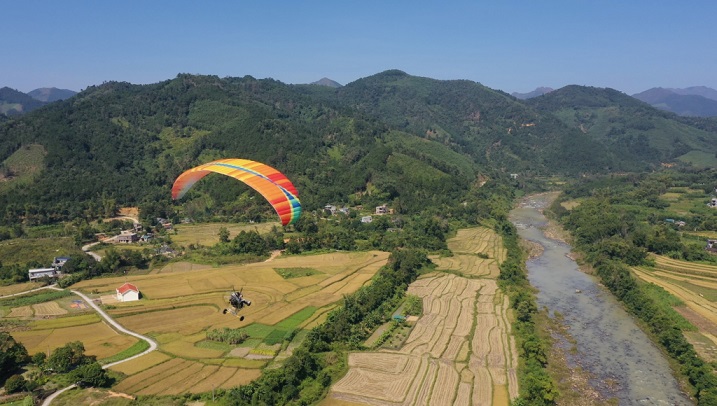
[622,360]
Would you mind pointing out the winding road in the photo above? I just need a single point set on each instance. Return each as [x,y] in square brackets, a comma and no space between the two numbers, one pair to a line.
[111,321]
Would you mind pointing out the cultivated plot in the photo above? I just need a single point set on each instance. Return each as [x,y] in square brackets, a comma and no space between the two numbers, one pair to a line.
[178,308]
[696,286]
[461,351]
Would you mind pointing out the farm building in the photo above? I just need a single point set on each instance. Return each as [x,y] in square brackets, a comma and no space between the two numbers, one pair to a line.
[127,237]
[41,272]
[127,293]
[366,219]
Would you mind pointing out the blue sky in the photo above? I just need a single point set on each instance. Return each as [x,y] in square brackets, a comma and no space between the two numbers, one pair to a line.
[509,45]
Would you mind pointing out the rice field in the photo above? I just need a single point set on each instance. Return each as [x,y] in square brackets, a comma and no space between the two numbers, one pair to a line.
[97,337]
[461,350]
[179,306]
[696,286]
[476,252]
[208,233]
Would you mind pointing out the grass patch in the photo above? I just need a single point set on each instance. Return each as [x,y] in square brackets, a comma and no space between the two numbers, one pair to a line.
[137,348]
[293,321]
[214,345]
[256,330]
[63,322]
[667,302]
[24,164]
[21,250]
[277,336]
[288,273]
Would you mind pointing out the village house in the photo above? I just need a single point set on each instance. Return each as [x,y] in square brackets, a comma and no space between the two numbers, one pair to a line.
[382,209]
[366,219]
[59,262]
[713,202]
[711,245]
[330,208]
[127,293]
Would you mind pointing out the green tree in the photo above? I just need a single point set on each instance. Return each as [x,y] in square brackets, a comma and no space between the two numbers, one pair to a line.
[66,358]
[15,383]
[12,355]
[223,235]
[91,374]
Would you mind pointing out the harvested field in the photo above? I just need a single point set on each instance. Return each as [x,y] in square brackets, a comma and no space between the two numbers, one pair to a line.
[18,287]
[181,304]
[696,286]
[22,311]
[140,364]
[48,309]
[241,377]
[453,307]
[440,341]
[215,380]
[476,252]
[208,233]
[98,338]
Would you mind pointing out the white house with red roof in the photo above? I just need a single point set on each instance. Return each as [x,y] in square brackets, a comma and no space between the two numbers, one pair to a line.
[127,293]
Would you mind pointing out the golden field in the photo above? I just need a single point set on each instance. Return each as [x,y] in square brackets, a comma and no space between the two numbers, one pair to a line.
[461,350]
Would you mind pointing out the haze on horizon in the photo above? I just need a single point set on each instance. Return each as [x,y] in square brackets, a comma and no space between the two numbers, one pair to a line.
[513,46]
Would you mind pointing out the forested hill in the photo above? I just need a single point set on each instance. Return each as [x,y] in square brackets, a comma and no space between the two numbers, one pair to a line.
[636,134]
[391,138]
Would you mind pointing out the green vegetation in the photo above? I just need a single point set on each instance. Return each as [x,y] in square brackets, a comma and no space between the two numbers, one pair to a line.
[288,273]
[227,335]
[620,220]
[137,348]
[308,373]
[34,298]
[536,386]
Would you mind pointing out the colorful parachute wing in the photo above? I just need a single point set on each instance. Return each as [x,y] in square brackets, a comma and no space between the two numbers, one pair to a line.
[270,183]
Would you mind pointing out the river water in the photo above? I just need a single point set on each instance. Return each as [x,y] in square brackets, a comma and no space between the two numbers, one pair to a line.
[623,362]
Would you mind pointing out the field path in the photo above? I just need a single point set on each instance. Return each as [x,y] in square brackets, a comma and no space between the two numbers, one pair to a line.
[27,291]
[111,321]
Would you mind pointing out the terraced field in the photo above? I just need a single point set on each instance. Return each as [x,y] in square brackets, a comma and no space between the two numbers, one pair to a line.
[181,304]
[461,350]
[178,307]
[694,284]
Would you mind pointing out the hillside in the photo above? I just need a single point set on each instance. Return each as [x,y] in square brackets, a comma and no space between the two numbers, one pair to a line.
[124,144]
[14,102]
[697,101]
[535,93]
[51,94]
[408,141]
[636,134]
[495,129]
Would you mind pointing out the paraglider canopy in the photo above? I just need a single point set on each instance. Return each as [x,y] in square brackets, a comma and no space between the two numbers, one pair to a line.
[276,188]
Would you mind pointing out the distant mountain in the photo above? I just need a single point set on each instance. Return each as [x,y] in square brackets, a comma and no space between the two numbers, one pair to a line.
[634,132]
[326,82]
[535,93]
[51,94]
[14,102]
[703,91]
[699,101]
